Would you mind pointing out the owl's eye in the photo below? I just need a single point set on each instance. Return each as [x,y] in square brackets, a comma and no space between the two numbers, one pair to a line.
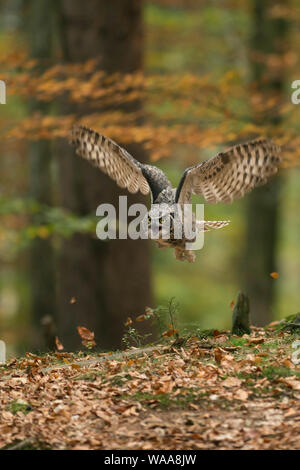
[149,219]
[162,220]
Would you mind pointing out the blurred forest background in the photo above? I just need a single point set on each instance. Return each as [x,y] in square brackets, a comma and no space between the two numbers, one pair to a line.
[174,81]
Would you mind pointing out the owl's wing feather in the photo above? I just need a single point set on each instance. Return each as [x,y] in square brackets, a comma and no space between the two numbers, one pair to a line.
[207,225]
[230,174]
[109,157]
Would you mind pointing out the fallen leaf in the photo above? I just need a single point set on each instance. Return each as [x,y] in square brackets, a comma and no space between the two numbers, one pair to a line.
[59,345]
[256,340]
[291,382]
[241,395]
[231,382]
[218,353]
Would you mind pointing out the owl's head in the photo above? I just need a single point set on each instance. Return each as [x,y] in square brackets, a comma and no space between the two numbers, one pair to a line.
[161,221]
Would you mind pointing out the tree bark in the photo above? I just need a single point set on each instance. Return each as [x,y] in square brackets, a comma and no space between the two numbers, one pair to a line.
[110,280]
[263,210]
[42,273]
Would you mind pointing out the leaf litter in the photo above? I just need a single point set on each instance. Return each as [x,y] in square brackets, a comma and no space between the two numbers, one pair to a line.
[222,393]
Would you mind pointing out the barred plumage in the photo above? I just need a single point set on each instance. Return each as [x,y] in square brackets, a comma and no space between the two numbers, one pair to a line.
[231,174]
[223,178]
[112,159]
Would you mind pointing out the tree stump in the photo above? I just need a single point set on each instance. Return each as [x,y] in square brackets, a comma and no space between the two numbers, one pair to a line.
[241,316]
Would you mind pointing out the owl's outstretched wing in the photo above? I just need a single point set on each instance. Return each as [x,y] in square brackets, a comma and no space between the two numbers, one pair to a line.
[230,174]
[109,157]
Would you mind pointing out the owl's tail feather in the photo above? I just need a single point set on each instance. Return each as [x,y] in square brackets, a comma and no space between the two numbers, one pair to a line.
[207,225]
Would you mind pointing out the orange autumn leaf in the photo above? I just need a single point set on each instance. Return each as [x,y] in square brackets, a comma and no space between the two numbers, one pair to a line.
[169,333]
[87,336]
[59,345]
[128,322]
[141,318]
[274,275]
[218,355]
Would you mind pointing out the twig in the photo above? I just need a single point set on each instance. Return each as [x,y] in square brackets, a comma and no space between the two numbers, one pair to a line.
[21,445]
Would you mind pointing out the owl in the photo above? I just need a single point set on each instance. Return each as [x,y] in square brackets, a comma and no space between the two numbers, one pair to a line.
[223,178]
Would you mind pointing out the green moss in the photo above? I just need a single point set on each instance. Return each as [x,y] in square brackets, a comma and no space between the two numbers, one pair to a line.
[167,400]
[273,372]
[16,406]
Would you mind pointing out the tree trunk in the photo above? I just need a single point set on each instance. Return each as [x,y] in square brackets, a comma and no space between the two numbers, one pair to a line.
[42,274]
[110,280]
[263,211]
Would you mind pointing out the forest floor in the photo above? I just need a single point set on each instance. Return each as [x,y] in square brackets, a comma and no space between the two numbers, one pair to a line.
[210,392]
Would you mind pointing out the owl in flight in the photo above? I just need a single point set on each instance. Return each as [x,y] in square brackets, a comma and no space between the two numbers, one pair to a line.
[223,178]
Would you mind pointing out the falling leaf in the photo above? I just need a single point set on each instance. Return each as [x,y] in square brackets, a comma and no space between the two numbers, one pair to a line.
[274,275]
[232,305]
[128,322]
[59,345]
[73,301]
[87,337]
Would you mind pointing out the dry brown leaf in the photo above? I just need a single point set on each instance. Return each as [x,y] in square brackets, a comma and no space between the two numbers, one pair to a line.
[241,395]
[231,382]
[141,318]
[87,336]
[59,345]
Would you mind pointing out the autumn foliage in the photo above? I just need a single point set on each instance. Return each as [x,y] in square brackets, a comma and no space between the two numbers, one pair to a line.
[199,111]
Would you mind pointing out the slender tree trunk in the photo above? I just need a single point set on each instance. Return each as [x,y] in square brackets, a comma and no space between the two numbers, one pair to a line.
[110,280]
[42,272]
[263,212]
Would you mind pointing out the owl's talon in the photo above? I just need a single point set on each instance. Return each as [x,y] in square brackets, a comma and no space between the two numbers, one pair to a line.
[190,256]
[179,254]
